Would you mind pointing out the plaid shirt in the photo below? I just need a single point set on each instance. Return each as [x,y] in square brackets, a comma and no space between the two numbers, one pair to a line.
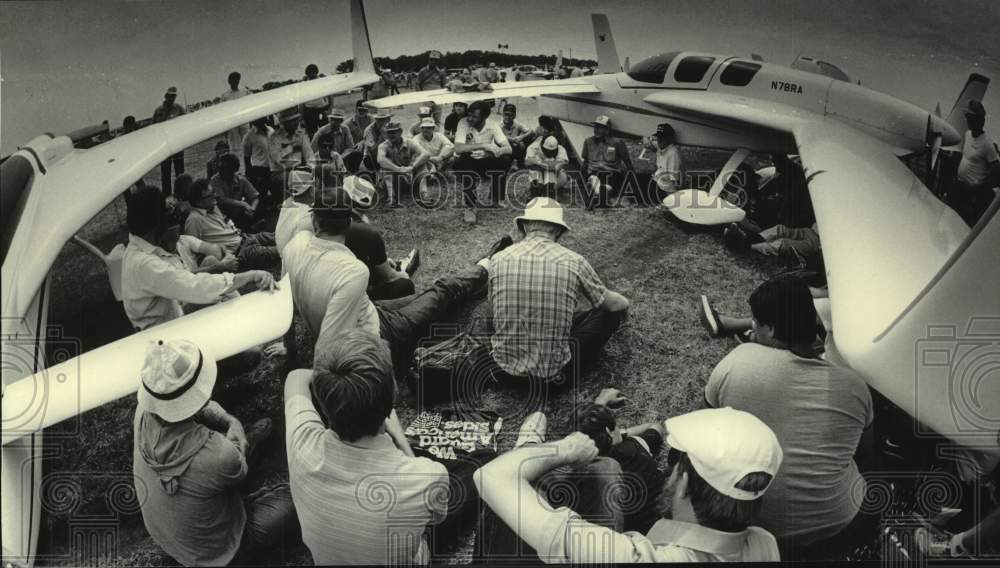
[535,288]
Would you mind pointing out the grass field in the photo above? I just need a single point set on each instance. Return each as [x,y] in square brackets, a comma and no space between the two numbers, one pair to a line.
[660,358]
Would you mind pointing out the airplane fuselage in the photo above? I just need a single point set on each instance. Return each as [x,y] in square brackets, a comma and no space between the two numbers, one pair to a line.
[622,97]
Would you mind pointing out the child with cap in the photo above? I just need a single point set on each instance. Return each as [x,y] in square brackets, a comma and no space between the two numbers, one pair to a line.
[724,460]
[190,457]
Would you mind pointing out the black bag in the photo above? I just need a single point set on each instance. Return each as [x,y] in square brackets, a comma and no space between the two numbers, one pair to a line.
[451,370]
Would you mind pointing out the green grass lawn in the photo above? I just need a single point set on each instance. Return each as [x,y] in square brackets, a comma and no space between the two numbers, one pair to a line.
[660,358]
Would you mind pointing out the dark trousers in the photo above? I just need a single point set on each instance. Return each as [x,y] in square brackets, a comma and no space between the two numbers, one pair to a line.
[241,218]
[968,203]
[587,491]
[260,178]
[404,322]
[399,288]
[166,179]
[602,199]
[463,498]
[258,251]
[862,530]
[470,171]
[272,527]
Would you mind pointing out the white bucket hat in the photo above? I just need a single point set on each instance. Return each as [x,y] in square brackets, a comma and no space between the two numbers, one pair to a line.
[176,379]
[359,189]
[543,209]
[724,445]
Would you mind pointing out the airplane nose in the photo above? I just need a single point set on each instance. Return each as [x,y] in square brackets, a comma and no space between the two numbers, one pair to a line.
[949,136]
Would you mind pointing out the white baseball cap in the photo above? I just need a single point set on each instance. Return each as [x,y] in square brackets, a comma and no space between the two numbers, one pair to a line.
[428,122]
[601,120]
[543,209]
[424,111]
[177,379]
[550,143]
[299,181]
[725,445]
[360,190]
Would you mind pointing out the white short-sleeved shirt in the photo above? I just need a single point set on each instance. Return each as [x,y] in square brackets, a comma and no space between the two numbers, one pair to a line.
[978,152]
[668,167]
[491,133]
[436,146]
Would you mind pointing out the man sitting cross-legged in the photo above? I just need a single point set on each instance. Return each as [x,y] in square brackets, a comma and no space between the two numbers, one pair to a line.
[329,286]
[546,161]
[635,449]
[551,312]
[237,198]
[819,412]
[361,494]
[725,459]
[400,162]
[189,458]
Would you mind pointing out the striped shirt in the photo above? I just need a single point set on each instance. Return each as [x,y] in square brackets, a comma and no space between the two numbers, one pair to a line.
[535,287]
[357,505]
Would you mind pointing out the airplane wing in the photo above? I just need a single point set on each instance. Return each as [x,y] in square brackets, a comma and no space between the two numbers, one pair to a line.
[90,179]
[108,373]
[499,91]
[897,259]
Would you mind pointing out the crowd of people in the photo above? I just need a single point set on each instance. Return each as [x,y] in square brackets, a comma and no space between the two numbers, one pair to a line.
[772,468]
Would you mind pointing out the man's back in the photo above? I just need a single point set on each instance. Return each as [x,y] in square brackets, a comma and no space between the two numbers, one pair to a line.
[359,505]
[818,413]
[329,286]
[535,287]
[187,475]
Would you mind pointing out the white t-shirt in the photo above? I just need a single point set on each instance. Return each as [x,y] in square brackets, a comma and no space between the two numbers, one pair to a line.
[978,152]
[668,167]
[490,134]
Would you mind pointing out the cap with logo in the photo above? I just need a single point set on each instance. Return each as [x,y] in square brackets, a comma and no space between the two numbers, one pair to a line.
[428,122]
[601,120]
[176,379]
[724,446]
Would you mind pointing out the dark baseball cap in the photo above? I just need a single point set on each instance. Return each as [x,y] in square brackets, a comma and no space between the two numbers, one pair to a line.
[975,108]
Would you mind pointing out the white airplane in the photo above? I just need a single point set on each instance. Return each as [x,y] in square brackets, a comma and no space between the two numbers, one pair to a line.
[912,290]
[38,182]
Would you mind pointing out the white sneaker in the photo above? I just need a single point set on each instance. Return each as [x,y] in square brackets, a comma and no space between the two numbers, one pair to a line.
[532,430]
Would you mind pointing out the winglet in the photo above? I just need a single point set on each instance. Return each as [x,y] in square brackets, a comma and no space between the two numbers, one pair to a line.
[975,89]
[607,53]
[360,43]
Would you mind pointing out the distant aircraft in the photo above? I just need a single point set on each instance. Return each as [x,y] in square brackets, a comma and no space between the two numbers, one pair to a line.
[912,289]
[49,191]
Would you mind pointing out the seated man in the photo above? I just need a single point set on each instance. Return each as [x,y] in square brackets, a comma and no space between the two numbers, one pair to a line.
[795,235]
[818,411]
[517,134]
[339,133]
[436,145]
[725,459]
[400,161]
[327,153]
[254,250]
[422,113]
[669,167]
[635,449]
[551,312]
[329,285]
[482,151]
[546,161]
[588,486]
[155,281]
[361,495]
[451,121]
[359,122]
[237,197]
[374,136]
[212,166]
[606,163]
[190,458]
[388,279]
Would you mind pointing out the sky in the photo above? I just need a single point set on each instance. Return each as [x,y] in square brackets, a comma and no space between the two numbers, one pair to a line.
[66,65]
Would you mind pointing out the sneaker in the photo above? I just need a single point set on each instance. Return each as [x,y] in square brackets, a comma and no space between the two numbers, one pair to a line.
[532,430]
[744,337]
[709,318]
[411,263]
[257,433]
